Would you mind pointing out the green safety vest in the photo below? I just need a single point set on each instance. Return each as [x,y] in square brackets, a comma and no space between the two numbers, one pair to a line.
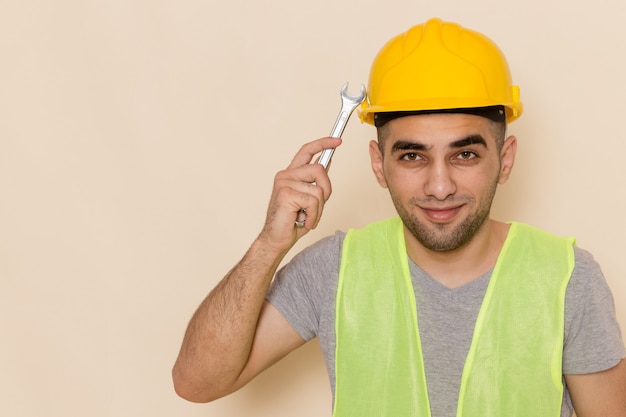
[514,365]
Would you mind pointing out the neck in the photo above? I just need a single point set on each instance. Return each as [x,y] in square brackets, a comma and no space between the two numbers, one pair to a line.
[464,264]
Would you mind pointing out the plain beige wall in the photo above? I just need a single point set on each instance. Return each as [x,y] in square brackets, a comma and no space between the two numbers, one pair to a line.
[140,138]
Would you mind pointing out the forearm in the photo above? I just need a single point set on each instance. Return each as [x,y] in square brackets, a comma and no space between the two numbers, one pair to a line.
[217,343]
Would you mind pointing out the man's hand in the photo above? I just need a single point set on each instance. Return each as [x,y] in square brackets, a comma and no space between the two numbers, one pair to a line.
[302,185]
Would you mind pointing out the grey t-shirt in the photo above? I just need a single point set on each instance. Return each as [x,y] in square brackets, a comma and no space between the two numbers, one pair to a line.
[304,292]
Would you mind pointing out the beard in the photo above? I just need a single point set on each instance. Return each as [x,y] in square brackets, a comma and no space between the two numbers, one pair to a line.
[445,237]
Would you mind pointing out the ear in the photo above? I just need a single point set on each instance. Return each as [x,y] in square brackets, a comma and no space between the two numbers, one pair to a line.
[376,158]
[507,158]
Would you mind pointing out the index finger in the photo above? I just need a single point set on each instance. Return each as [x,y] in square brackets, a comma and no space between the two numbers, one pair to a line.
[306,153]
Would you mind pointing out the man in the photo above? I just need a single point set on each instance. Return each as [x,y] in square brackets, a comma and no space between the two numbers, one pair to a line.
[442,311]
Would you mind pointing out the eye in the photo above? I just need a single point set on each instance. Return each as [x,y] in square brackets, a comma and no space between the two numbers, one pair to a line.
[466,155]
[411,156]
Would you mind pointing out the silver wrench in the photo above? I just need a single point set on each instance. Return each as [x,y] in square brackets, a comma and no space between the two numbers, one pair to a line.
[348,104]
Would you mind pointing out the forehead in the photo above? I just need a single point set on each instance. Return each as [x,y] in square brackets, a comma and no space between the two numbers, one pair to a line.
[436,130]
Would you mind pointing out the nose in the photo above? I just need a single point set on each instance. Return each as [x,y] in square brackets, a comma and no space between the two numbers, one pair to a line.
[439,182]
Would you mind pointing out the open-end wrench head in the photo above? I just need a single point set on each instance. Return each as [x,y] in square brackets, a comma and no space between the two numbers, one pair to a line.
[354,100]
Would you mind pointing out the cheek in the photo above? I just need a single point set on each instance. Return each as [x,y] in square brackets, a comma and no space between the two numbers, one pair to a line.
[402,181]
[390,174]
[485,184]
[487,174]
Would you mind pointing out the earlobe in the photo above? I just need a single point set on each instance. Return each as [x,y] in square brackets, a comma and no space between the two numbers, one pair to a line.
[507,158]
[376,158]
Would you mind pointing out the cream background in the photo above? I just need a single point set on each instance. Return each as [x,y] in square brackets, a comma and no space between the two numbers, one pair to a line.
[139,140]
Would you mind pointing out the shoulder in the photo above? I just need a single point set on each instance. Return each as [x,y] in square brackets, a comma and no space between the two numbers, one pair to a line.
[587,276]
[587,288]
[311,270]
[303,288]
[321,251]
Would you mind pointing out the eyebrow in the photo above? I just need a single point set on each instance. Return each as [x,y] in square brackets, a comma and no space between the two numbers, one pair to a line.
[408,145]
[470,140]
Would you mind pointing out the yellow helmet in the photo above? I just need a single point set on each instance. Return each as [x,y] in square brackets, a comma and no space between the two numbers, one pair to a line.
[440,66]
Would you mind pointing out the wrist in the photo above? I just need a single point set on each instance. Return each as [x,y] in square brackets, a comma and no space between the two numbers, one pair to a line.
[269,248]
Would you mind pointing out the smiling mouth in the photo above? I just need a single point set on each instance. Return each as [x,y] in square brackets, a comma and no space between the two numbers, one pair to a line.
[441,215]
